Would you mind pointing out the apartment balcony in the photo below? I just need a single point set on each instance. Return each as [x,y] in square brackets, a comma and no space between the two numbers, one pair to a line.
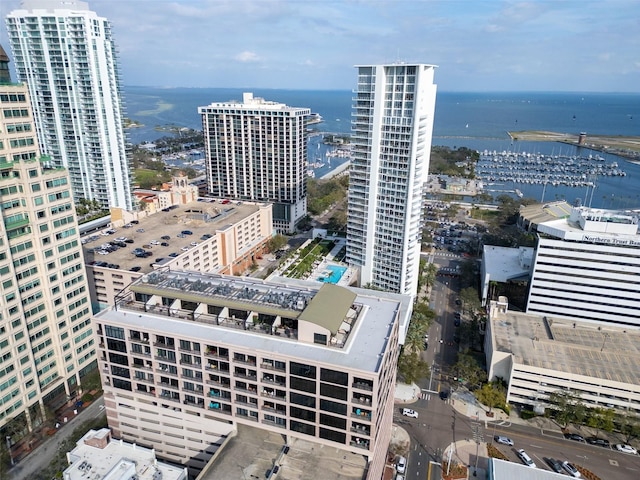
[270,366]
[363,386]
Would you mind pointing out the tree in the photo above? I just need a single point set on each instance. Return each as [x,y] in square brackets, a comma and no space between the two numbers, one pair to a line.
[629,426]
[470,300]
[601,418]
[469,371]
[491,394]
[276,242]
[411,367]
[568,407]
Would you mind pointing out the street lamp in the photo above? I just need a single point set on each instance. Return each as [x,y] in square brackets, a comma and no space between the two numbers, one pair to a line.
[8,438]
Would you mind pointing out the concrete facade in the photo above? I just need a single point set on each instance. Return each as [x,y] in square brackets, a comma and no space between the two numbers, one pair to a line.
[257,150]
[392,125]
[45,333]
[66,54]
[539,356]
[586,268]
[185,357]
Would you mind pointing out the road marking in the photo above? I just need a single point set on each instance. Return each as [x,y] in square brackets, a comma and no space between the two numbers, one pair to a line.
[536,446]
[614,462]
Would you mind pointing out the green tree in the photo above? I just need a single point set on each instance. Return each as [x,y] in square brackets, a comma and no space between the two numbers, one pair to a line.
[469,371]
[601,418]
[411,367]
[276,242]
[568,407]
[629,426]
[470,300]
[492,395]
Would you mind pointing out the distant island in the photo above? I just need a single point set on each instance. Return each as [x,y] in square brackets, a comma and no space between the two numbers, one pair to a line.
[128,123]
[625,147]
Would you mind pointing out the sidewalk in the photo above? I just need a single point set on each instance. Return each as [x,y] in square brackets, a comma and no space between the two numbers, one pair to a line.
[469,454]
[406,393]
[466,404]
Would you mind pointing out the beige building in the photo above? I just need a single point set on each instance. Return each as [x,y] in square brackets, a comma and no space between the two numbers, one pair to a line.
[185,357]
[539,355]
[46,342]
[199,236]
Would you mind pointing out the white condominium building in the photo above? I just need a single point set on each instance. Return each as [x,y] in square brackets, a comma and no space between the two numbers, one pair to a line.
[186,356]
[587,267]
[45,334]
[66,55]
[392,124]
[257,150]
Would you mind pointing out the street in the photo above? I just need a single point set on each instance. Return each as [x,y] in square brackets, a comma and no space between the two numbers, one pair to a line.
[40,458]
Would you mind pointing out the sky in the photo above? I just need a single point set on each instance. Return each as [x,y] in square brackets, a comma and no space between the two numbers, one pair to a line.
[478,45]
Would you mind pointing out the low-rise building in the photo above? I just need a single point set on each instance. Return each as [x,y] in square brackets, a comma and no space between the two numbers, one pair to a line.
[97,456]
[206,236]
[541,355]
[504,265]
[184,357]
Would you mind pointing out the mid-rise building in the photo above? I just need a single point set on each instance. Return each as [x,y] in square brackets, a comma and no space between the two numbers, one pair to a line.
[392,124]
[66,55]
[203,236]
[586,267]
[184,357]
[542,355]
[46,344]
[100,457]
[257,150]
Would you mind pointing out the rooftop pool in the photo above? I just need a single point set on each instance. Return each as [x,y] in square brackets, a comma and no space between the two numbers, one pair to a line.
[332,274]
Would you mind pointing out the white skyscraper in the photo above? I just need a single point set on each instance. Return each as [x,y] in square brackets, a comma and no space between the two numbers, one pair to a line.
[257,150]
[392,124]
[65,54]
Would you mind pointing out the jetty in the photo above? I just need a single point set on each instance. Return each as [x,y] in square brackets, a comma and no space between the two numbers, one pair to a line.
[626,147]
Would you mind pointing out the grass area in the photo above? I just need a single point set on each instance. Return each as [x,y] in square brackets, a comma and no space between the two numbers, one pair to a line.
[316,250]
[480,214]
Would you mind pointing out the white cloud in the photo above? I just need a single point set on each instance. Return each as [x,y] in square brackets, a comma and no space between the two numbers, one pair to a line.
[246,57]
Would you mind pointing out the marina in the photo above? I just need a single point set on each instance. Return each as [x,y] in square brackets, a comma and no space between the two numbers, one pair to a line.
[540,169]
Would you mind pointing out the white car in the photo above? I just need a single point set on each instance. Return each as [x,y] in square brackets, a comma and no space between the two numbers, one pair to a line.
[407,412]
[626,449]
[401,464]
[154,242]
[503,440]
[571,470]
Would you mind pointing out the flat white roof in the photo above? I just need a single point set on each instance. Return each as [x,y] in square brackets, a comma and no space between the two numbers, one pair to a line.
[504,263]
[366,342]
[504,470]
[118,460]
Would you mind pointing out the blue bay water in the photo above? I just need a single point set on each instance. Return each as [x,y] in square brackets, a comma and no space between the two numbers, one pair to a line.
[474,120]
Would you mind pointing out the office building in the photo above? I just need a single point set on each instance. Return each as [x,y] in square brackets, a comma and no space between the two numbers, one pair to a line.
[541,355]
[66,55]
[97,456]
[46,344]
[586,267]
[392,124]
[185,357]
[257,150]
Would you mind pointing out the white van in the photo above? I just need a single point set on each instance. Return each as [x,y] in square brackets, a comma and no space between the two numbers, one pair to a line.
[526,459]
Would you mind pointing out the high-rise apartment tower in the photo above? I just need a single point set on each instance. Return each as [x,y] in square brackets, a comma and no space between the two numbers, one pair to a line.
[257,150]
[392,124]
[45,333]
[66,55]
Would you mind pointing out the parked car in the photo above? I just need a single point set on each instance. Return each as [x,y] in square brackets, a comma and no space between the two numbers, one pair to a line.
[401,464]
[444,395]
[526,459]
[574,436]
[554,464]
[407,412]
[601,442]
[165,237]
[503,440]
[571,470]
[187,232]
[626,449]
[164,244]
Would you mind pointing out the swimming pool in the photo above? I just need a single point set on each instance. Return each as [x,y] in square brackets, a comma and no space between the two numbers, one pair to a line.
[333,274]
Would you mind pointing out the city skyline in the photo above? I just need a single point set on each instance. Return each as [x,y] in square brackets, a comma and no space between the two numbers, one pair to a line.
[479,46]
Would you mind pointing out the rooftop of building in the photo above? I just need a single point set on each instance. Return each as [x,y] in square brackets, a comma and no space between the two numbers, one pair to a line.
[506,263]
[252,452]
[360,321]
[254,103]
[595,225]
[599,351]
[97,456]
[200,218]
[543,212]
[503,470]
